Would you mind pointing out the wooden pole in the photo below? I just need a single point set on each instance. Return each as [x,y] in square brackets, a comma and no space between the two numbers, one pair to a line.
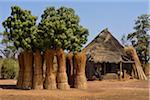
[120,71]
[104,68]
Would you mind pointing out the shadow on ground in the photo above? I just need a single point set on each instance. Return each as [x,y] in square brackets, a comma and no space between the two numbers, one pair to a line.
[8,86]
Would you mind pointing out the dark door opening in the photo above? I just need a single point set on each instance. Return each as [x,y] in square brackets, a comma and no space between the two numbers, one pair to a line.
[111,68]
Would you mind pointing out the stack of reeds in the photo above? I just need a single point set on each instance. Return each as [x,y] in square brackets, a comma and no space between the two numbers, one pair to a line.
[31,74]
[137,66]
[70,69]
[50,76]
[62,79]
[21,70]
[79,64]
[38,71]
[28,70]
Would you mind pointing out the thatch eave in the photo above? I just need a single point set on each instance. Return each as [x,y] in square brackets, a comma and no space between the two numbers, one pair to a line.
[105,49]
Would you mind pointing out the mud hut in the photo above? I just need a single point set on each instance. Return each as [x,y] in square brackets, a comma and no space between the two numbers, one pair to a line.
[106,55]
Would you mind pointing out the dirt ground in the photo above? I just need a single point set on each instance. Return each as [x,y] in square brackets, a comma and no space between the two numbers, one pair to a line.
[97,90]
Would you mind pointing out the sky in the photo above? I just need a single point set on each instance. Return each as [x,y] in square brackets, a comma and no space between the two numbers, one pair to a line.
[117,15]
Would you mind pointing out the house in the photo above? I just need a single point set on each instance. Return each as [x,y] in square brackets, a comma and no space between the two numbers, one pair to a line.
[106,55]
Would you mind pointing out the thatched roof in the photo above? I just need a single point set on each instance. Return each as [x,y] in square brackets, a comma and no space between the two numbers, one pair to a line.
[105,48]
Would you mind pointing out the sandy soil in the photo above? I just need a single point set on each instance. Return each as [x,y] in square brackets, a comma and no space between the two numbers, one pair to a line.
[97,90]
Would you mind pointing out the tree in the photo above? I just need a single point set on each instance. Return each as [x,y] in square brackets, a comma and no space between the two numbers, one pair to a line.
[124,40]
[20,28]
[20,31]
[140,38]
[60,30]
[8,49]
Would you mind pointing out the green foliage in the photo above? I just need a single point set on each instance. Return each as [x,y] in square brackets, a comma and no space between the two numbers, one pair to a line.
[59,28]
[9,69]
[140,38]
[20,28]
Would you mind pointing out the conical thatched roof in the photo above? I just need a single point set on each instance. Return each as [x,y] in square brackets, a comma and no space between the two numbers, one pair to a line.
[105,48]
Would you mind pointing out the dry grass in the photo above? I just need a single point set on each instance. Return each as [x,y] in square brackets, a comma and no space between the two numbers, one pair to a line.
[97,90]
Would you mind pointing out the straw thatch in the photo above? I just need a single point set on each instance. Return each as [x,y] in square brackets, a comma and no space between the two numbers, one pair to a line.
[21,70]
[28,70]
[105,48]
[105,51]
[50,77]
[138,67]
[79,64]
[70,69]
[38,70]
[106,55]
[62,79]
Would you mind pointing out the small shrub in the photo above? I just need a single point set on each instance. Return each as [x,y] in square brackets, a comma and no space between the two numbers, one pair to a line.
[9,69]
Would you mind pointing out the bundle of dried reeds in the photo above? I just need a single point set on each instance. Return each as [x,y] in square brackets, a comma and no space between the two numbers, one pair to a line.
[28,69]
[21,70]
[50,77]
[38,71]
[62,80]
[70,70]
[137,67]
[79,65]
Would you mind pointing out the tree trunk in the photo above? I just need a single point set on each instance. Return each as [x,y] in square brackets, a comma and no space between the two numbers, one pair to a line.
[38,71]
[79,65]
[50,78]
[28,70]
[62,80]
[21,70]
[69,62]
